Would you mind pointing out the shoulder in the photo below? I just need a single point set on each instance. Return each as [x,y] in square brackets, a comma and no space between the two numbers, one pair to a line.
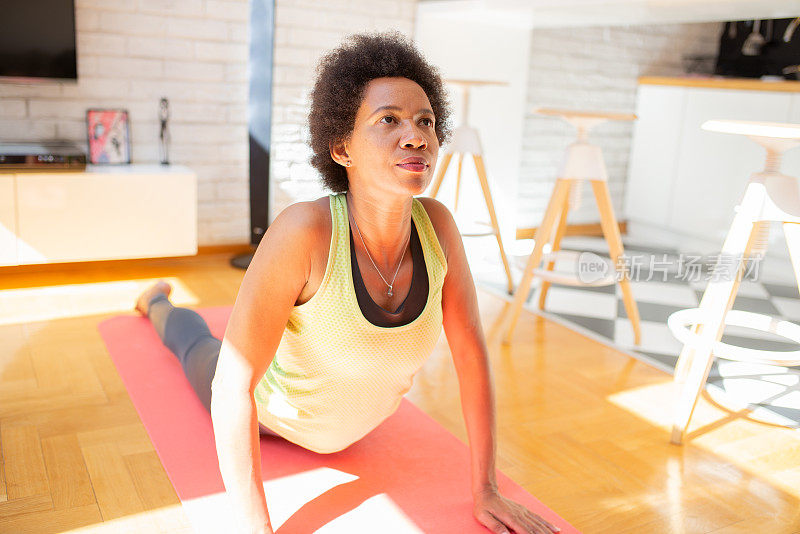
[443,224]
[305,216]
[296,243]
[298,228]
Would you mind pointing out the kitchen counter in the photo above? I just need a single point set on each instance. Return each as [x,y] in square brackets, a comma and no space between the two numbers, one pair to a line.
[684,182]
[719,82]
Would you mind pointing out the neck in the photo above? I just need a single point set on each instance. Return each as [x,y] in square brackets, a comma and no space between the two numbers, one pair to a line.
[384,225]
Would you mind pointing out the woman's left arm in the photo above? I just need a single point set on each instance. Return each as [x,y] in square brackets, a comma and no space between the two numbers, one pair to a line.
[462,326]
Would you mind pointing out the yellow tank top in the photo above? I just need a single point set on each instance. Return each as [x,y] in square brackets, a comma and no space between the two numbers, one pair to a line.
[336,376]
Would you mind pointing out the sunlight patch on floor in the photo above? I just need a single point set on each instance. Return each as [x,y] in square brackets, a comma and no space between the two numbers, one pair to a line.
[287,496]
[378,510]
[47,303]
[728,434]
[169,519]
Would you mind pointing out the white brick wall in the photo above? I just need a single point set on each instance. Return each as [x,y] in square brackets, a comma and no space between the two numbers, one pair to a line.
[194,52]
[130,54]
[305,30]
[593,68]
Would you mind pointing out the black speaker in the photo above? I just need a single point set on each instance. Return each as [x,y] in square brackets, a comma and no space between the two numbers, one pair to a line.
[259,119]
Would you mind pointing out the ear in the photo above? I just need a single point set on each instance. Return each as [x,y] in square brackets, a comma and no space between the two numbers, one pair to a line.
[339,153]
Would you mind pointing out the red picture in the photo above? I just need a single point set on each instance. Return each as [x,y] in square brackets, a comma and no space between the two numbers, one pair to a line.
[108,134]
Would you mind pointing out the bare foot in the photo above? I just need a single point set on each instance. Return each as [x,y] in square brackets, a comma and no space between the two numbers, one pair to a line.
[144,299]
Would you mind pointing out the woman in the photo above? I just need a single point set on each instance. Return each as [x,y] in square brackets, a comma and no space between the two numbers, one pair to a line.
[330,326]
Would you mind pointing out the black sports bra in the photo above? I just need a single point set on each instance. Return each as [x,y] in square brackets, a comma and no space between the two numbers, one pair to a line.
[414,303]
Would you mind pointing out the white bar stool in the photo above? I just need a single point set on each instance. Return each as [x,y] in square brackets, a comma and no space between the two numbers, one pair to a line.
[769,196]
[467,141]
[582,161]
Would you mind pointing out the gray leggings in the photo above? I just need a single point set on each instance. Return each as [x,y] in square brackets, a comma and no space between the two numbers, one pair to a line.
[186,334]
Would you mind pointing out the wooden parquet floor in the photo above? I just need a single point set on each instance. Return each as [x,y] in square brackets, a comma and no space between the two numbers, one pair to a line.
[580,425]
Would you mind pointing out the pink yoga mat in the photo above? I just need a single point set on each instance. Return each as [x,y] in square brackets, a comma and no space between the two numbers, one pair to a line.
[408,475]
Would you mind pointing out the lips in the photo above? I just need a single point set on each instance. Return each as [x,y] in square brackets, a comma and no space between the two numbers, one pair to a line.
[414,164]
[414,167]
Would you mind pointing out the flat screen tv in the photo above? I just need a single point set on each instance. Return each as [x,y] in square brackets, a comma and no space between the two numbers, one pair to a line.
[37,40]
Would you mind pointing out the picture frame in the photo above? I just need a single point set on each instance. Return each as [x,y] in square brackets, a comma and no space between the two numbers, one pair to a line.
[108,136]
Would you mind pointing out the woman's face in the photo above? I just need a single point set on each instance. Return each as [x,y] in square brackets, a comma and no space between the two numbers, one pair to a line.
[393,146]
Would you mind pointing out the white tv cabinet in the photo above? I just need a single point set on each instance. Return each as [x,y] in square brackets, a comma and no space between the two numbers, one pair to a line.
[105,212]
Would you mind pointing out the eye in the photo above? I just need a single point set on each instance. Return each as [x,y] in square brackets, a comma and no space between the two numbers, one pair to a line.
[387,117]
[430,121]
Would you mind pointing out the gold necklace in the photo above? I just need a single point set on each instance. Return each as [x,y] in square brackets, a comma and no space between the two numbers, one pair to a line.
[389,293]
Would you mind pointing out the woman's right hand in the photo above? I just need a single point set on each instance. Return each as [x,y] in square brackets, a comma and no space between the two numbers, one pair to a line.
[270,288]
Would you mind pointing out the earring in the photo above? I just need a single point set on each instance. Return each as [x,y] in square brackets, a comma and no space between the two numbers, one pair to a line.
[347,164]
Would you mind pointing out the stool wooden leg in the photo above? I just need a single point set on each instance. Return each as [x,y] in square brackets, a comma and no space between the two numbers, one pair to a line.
[560,230]
[487,195]
[683,364]
[557,200]
[458,180]
[717,300]
[437,181]
[792,233]
[611,233]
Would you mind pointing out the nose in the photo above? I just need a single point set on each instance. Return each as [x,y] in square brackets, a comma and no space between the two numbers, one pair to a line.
[413,138]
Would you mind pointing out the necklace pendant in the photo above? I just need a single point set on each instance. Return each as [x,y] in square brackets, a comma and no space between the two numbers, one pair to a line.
[390,292]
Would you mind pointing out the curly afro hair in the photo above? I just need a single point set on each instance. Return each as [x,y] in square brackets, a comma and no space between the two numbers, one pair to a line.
[342,78]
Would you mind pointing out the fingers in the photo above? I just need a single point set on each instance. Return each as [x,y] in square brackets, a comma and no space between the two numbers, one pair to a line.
[520,524]
[528,526]
[550,527]
[544,526]
[502,519]
[534,525]
[530,523]
[492,523]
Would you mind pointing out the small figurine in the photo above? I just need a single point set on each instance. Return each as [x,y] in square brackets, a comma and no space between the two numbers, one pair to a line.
[163,115]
